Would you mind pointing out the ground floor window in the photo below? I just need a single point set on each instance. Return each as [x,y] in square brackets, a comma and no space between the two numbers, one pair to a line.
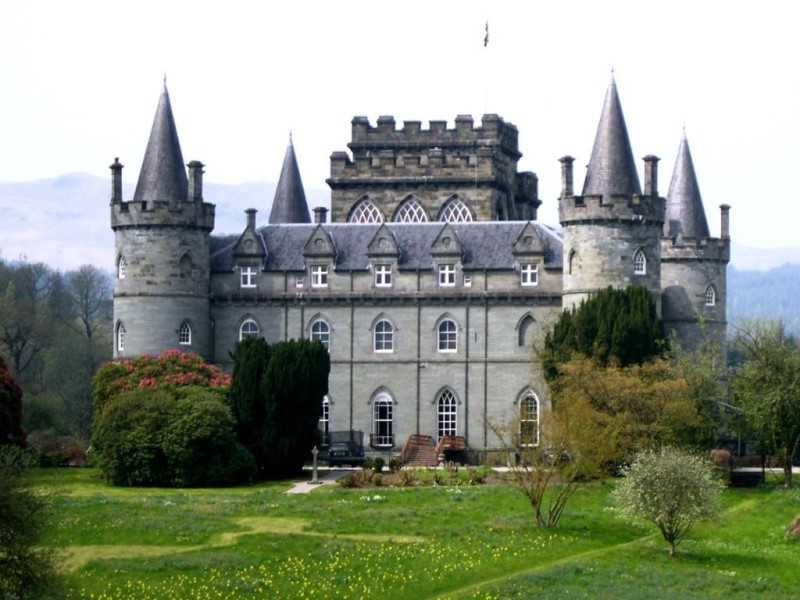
[528,419]
[446,413]
[382,421]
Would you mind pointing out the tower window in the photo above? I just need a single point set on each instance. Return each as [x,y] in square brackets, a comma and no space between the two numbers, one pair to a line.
[185,334]
[121,267]
[120,337]
[639,263]
[411,212]
[455,211]
[366,212]
[711,296]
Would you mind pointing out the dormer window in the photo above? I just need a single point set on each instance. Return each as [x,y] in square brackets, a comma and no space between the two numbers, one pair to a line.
[447,275]
[248,277]
[319,276]
[639,263]
[383,275]
[529,274]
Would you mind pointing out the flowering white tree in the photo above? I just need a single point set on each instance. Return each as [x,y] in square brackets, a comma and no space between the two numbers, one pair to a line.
[670,488]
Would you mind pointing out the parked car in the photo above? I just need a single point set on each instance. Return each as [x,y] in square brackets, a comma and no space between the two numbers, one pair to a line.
[344,453]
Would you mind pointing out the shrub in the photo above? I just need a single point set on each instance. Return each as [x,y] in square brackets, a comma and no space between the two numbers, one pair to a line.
[351,481]
[395,464]
[377,464]
[406,478]
[170,437]
[11,431]
[27,570]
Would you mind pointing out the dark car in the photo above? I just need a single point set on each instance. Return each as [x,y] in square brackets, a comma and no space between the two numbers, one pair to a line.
[344,453]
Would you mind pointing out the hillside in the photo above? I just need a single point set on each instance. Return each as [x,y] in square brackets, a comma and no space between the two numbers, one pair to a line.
[771,294]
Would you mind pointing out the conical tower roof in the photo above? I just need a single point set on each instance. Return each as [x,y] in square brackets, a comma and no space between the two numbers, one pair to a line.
[289,205]
[612,169]
[685,215]
[163,175]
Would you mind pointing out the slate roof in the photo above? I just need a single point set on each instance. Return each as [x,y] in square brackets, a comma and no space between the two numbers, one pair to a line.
[487,245]
[611,169]
[289,205]
[163,174]
[685,216]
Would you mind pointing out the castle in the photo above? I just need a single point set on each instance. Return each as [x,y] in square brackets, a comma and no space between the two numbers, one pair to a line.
[433,279]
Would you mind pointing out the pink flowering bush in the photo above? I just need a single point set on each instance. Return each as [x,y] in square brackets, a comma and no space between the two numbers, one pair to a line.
[170,368]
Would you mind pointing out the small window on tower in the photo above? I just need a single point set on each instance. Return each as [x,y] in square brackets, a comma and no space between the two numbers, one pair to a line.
[639,263]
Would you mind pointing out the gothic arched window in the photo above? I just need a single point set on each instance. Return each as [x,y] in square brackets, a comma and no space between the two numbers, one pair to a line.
[446,414]
[410,211]
[185,334]
[455,211]
[528,419]
[365,211]
[711,296]
[639,263]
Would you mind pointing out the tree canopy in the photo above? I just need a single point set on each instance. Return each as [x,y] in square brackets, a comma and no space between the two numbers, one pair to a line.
[276,398]
[613,326]
[766,386]
[11,431]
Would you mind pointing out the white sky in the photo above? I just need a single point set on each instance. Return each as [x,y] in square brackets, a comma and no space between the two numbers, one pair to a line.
[81,79]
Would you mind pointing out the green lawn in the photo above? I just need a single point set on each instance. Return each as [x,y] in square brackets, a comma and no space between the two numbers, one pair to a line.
[431,542]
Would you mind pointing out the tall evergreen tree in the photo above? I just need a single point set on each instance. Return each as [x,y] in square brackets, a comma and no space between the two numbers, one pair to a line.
[613,326]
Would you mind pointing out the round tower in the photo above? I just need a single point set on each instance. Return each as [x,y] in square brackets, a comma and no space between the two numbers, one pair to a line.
[612,230]
[161,253]
[693,264]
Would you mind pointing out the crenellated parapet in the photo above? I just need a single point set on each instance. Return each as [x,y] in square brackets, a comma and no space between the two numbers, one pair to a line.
[628,209]
[193,213]
[476,163]
[688,249]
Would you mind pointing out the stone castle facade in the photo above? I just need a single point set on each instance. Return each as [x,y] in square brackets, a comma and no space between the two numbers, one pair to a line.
[433,280]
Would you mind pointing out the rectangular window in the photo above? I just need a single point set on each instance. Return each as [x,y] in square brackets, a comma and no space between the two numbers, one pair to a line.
[529,274]
[298,281]
[447,275]
[383,275]
[319,276]
[467,280]
[248,279]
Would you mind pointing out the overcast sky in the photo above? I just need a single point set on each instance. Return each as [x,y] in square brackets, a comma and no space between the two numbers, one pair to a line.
[81,80]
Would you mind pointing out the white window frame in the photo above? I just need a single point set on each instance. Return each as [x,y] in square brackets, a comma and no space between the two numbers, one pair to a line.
[446,414]
[320,331]
[382,421]
[467,280]
[325,419]
[248,277]
[529,274]
[383,336]
[383,275]
[121,267]
[319,276]
[447,336]
[710,296]
[447,275]
[639,262]
[253,330]
[185,334]
[299,281]
[121,331]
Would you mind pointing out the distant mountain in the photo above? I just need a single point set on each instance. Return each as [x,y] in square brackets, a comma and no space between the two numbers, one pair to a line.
[765,295]
[747,258]
[64,222]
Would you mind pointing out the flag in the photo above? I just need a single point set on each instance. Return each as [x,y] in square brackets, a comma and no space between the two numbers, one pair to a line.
[486,37]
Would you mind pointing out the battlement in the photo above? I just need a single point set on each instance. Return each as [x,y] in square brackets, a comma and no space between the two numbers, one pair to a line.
[620,208]
[493,131]
[197,215]
[714,249]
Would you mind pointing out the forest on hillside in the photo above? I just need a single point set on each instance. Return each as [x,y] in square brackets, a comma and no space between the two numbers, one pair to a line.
[765,295]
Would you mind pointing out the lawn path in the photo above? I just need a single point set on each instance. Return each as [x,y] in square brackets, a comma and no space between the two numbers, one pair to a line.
[476,587]
[76,557]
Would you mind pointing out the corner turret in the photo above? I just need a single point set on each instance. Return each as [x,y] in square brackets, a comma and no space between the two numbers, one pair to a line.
[693,264]
[162,274]
[612,231]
